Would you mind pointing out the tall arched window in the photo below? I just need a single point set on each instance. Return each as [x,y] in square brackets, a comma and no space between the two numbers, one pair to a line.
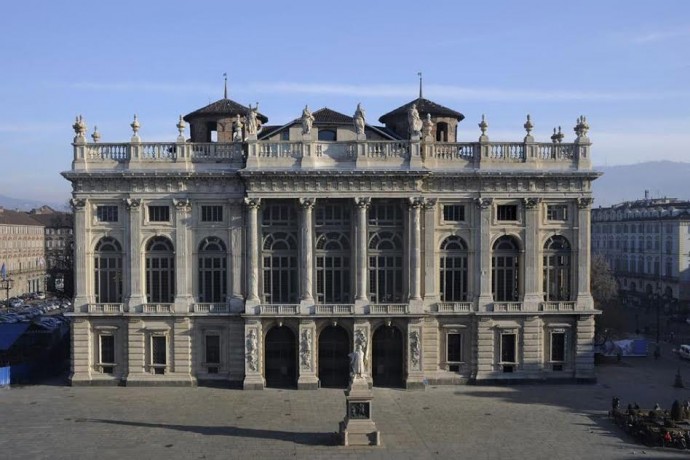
[160,270]
[333,268]
[385,267]
[557,260]
[453,270]
[108,271]
[213,280]
[280,268]
[505,270]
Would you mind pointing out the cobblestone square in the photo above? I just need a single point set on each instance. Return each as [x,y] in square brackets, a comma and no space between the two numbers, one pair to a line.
[479,422]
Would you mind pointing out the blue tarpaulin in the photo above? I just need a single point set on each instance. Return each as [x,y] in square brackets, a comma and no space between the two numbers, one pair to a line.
[4,376]
[10,332]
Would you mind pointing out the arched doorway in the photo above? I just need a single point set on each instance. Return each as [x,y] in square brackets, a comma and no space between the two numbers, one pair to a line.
[334,367]
[281,358]
[387,357]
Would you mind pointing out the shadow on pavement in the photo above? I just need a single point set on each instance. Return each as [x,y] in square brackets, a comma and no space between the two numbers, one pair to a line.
[309,439]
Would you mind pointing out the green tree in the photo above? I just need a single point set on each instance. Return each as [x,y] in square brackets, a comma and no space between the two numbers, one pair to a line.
[603,285]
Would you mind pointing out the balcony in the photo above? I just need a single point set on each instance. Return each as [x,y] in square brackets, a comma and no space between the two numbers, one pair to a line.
[335,309]
[107,308]
[157,308]
[454,307]
[389,309]
[507,307]
[282,310]
[211,308]
[557,306]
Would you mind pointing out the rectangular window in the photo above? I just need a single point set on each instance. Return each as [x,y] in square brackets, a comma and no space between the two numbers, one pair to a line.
[159,213]
[454,347]
[508,351]
[558,347]
[506,212]
[158,354]
[557,212]
[212,213]
[213,349]
[454,213]
[106,213]
[107,353]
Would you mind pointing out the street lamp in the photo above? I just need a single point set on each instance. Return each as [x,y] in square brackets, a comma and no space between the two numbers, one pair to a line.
[7,284]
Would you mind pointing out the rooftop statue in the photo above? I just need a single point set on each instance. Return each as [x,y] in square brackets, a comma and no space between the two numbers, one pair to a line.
[360,119]
[414,121]
[307,120]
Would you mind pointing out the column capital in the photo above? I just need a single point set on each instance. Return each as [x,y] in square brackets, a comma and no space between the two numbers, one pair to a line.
[132,204]
[362,202]
[585,202]
[252,203]
[484,202]
[430,204]
[307,203]
[78,204]
[531,203]
[415,202]
[182,204]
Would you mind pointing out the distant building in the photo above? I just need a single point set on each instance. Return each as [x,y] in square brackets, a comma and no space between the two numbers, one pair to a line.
[22,250]
[263,256]
[59,248]
[647,245]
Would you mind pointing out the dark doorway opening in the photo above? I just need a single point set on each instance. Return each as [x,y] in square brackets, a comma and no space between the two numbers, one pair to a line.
[387,351]
[281,358]
[334,363]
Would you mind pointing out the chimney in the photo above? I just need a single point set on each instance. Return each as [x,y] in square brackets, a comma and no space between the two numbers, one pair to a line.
[646,194]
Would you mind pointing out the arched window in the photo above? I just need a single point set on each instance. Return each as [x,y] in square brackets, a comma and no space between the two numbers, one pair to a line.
[385,267]
[160,270]
[333,268]
[108,271]
[328,135]
[213,280]
[280,268]
[557,262]
[441,131]
[505,270]
[453,270]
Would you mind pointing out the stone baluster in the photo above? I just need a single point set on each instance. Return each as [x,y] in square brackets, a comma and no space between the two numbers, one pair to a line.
[362,243]
[253,205]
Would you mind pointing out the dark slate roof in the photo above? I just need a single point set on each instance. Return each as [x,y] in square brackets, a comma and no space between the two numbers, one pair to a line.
[223,106]
[327,116]
[52,219]
[8,217]
[424,106]
[388,132]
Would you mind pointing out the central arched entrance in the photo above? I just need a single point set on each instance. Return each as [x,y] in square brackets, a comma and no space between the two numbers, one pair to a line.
[281,358]
[334,364]
[387,357]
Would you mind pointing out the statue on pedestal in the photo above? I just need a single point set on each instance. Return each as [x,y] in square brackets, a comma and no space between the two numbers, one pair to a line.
[415,121]
[357,369]
[360,119]
[307,120]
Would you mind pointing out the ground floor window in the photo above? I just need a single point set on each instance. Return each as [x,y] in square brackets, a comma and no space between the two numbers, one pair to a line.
[212,353]
[106,358]
[557,354]
[453,350]
[159,355]
[508,351]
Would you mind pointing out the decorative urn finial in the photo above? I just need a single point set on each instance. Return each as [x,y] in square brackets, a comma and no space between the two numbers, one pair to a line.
[180,127]
[135,125]
[483,125]
[96,136]
[79,126]
[528,125]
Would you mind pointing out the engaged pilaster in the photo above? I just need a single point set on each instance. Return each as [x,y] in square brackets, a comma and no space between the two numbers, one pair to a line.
[430,291]
[81,298]
[415,374]
[484,259]
[361,238]
[307,251]
[253,205]
[253,356]
[584,296]
[307,368]
[533,293]
[136,297]
[415,205]
[183,288]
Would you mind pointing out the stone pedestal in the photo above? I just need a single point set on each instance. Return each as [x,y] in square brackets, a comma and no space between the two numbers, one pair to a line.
[358,428]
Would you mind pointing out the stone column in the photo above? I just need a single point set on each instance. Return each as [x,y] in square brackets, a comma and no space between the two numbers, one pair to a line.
[531,267]
[362,238]
[235,237]
[430,290]
[307,379]
[81,295]
[183,268]
[584,296]
[415,374]
[415,252]
[253,356]
[253,205]
[483,258]
[307,252]
[136,295]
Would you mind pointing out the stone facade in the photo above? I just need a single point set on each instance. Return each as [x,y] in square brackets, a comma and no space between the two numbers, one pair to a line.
[267,260]
[22,252]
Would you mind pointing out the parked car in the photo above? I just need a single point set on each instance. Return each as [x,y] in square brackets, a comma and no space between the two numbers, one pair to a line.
[15,302]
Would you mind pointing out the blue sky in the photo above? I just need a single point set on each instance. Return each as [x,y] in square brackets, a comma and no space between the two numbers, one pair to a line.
[623,64]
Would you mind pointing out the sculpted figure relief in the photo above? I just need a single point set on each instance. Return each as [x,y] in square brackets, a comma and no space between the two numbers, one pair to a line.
[414,121]
[307,120]
[237,129]
[252,350]
[357,369]
[360,119]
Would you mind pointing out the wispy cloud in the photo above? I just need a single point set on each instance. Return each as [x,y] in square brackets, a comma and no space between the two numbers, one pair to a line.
[662,35]
[30,127]
[393,91]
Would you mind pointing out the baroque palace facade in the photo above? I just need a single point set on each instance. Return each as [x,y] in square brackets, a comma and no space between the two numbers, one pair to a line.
[260,255]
